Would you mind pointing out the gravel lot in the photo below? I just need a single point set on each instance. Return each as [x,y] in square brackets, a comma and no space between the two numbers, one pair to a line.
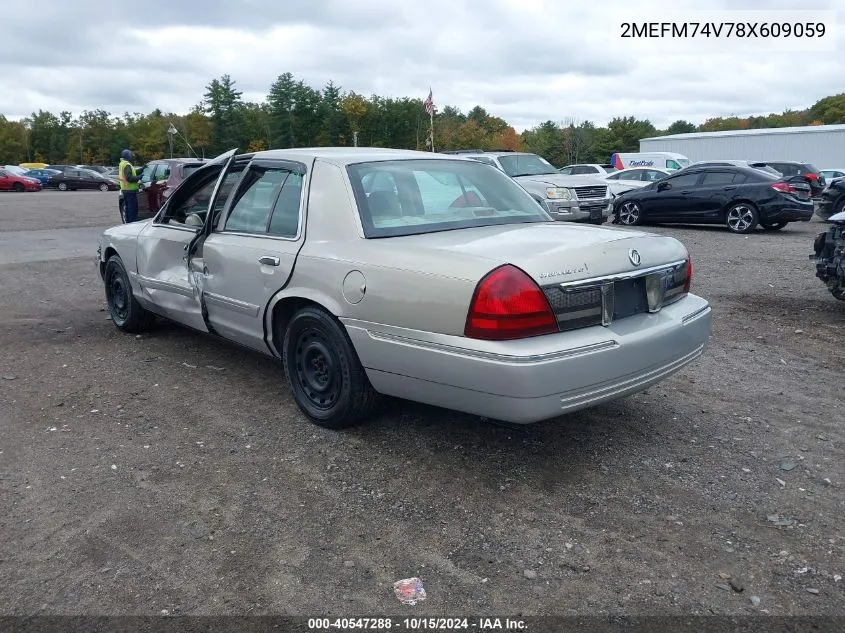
[173,472]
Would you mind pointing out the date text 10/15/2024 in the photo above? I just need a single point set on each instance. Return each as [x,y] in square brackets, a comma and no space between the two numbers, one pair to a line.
[417,624]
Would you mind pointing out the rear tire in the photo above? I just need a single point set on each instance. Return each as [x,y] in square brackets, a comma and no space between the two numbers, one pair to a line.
[741,218]
[329,383]
[18,187]
[126,313]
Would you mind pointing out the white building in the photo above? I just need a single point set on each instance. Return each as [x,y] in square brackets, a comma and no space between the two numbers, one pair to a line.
[821,145]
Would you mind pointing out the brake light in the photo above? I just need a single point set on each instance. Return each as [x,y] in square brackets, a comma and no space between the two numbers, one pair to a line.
[688,281]
[811,176]
[784,187]
[508,304]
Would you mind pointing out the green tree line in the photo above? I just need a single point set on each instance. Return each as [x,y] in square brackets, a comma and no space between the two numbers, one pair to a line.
[295,114]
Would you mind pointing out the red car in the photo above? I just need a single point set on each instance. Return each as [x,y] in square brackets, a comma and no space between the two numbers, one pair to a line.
[11,182]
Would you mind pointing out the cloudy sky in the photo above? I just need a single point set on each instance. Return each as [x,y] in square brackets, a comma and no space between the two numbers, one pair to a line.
[524,60]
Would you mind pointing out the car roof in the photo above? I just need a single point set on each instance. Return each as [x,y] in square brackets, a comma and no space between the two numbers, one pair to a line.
[697,169]
[342,156]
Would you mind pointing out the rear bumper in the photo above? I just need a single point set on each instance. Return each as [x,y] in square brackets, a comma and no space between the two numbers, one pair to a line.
[787,212]
[534,379]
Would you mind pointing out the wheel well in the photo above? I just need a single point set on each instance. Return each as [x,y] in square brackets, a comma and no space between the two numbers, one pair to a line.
[733,203]
[282,314]
[106,256]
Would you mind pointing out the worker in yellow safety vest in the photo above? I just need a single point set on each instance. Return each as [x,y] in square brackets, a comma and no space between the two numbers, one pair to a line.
[128,186]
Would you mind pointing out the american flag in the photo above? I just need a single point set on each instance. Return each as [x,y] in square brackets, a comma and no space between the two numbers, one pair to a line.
[429,104]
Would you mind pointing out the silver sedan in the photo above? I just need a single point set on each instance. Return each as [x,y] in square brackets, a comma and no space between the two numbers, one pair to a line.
[429,277]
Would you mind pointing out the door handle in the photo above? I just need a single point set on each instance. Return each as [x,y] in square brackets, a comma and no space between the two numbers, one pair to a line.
[729,188]
[269,260]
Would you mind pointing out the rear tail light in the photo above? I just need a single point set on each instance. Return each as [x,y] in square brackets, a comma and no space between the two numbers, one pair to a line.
[811,176]
[688,281]
[508,304]
[784,187]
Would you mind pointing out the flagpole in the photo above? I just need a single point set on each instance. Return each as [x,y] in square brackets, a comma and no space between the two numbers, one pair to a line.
[431,127]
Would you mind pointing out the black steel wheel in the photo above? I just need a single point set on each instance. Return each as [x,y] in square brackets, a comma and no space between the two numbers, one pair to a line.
[322,368]
[18,187]
[125,311]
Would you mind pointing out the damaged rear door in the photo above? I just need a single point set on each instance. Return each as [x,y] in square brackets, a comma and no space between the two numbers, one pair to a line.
[250,253]
[162,254]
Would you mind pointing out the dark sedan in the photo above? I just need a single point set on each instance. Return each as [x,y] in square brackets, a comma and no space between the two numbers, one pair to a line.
[738,197]
[832,199]
[42,175]
[72,179]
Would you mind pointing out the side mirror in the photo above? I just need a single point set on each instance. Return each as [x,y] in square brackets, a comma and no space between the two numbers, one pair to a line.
[663,185]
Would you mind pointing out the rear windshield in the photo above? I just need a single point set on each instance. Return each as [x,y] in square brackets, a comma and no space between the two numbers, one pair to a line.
[409,197]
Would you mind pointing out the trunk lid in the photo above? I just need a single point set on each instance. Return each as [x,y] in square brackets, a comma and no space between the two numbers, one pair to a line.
[551,253]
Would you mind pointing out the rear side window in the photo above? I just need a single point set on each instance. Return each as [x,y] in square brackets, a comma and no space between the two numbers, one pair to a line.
[716,178]
[285,220]
[187,170]
[267,202]
[257,196]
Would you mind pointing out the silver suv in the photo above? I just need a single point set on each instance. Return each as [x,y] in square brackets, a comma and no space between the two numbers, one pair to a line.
[565,198]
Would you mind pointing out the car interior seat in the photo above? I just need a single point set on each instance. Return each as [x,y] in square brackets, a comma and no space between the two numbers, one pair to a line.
[384,204]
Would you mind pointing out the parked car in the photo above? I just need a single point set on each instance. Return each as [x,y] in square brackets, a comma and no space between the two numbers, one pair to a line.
[754,164]
[450,287]
[72,179]
[566,198]
[832,199]
[801,171]
[97,168]
[159,178]
[587,170]
[14,170]
[626,179]
[41,175]
[831,174]
[13,182]
[738,197]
